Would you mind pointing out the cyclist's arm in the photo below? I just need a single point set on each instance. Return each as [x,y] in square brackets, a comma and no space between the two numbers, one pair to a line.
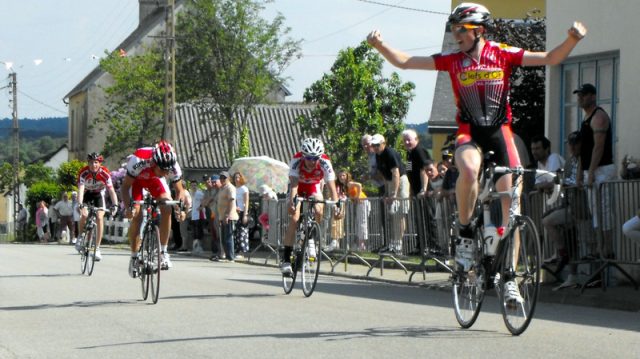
[124,190]
[293,191]
[399,58]
[560,52]
[114,196]
[181,195]
[80,193]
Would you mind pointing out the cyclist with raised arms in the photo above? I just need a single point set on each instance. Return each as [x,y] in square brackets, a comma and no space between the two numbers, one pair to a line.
[93,181]
[307,171]
[479,73]
[147,169]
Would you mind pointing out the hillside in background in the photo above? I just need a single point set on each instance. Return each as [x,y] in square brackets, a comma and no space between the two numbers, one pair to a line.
[55,127]
[38,137]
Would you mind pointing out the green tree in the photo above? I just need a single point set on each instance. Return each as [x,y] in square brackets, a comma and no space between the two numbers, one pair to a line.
[135,102]
[229,59]
[37,172]
[528,83]
[354,99]
[6,177]
[68,175]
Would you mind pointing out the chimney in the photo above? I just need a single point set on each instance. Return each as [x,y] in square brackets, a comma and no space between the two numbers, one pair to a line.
[147,7]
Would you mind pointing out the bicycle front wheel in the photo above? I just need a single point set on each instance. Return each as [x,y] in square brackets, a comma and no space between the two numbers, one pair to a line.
[521,265]
[468,290]
[90,243]
[143,260]
[311,260]
[83,252]
[154,253]
[288,280]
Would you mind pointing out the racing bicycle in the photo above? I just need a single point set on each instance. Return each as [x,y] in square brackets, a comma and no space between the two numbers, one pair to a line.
[88,245]
[149,254]
[496,257]
[306,255]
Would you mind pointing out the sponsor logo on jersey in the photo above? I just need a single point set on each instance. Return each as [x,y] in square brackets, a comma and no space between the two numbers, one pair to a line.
[468,78]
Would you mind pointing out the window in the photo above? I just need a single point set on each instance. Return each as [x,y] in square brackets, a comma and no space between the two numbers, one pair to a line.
[600,70]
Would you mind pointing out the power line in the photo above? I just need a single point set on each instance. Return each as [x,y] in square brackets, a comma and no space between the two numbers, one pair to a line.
[404,7]
[42,103]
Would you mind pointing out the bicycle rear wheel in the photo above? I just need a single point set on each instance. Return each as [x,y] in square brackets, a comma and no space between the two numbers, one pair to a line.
[524,269]
[154,254]
[311,264]
[90,243]
[288,280]
[83,253]
[468,291]
[143,263]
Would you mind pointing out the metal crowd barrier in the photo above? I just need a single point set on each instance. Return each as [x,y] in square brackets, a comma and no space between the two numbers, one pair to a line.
[592,228]
[116,230]
[372,228]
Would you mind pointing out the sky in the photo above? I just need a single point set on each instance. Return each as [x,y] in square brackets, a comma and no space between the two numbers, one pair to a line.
[53,44]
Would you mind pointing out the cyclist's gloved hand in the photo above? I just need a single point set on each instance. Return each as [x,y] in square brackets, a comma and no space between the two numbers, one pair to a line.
[113,210]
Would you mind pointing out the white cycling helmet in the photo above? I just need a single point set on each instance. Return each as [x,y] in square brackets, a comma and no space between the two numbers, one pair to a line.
[164,156]
[312,147]
[470,13]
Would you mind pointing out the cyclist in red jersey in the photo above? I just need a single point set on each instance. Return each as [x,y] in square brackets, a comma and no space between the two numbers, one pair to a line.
[93,181]
[308,170]
[479,73]
[146,170]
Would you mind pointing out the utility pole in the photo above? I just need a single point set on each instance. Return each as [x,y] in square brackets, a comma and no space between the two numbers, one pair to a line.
[169,130]
[16,153]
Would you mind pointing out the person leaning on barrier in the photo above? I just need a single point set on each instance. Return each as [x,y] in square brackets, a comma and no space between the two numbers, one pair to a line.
[559,219]
[631,228]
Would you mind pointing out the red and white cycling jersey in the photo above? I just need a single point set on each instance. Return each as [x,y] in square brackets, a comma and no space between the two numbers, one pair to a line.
[481,88]
[139,166]
[95,182]
[309,181]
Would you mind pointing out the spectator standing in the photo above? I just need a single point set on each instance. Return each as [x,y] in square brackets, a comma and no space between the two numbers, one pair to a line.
[337,223]
[420,183]
[21,221]
[242,207]
[596,162]
[363,208]
[211,200]
[42,220]
[76,215]
[228,216]
[389,164]
[198,216]
[64,209]
[373,175]
[53,222]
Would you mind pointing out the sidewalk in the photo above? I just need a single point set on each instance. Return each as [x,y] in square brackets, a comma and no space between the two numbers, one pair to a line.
[620,297]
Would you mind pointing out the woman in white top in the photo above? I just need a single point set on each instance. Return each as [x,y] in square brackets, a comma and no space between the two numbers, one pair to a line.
[242,206]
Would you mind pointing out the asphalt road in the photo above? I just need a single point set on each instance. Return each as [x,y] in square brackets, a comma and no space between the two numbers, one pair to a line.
[235,310]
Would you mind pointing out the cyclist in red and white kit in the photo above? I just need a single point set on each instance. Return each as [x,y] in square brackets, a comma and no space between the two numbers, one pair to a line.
[147,169]
[93,181]
[309,169]
[479,73]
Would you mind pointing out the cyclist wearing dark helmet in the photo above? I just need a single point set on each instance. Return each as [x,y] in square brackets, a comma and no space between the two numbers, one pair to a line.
[479,73]
[94,180]
[148,169]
